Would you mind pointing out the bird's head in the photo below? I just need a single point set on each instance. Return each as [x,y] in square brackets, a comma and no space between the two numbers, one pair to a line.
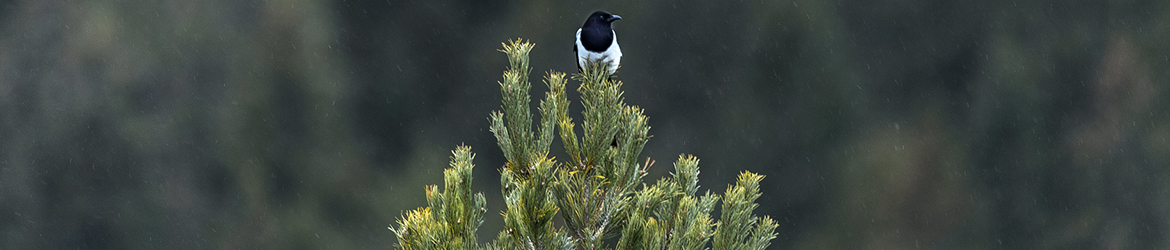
[603,17]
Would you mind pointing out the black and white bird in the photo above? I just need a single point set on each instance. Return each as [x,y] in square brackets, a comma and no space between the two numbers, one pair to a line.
[597,40]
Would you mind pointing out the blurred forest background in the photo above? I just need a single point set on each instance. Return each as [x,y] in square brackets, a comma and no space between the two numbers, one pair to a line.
[289,124]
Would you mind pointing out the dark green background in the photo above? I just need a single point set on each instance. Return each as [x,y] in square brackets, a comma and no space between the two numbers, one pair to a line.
[889,124]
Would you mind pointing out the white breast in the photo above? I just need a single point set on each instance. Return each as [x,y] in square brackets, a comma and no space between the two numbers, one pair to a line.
[613,55]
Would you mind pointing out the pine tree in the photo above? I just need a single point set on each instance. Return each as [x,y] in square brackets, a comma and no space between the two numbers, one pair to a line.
[598,191]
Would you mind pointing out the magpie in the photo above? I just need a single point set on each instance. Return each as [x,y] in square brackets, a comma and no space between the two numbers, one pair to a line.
[597,40]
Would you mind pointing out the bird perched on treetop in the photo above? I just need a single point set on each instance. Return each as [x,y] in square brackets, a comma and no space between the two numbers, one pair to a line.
[597,40]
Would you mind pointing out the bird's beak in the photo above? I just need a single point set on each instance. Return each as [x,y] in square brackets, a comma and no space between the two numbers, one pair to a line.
[614,18]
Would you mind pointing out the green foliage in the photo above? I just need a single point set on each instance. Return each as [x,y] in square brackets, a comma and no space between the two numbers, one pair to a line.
[673,217]
[599,192]
[741,201]
[452,216]
[529,171]
[595,186]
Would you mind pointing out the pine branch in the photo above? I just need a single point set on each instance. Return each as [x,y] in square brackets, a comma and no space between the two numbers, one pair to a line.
[529,171]
[452,216]
[737,220]
[513,126]
[595,188]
